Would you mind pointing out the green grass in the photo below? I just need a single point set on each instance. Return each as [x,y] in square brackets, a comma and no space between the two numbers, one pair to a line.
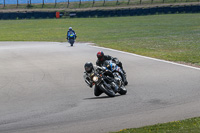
[174,37]
[184,126]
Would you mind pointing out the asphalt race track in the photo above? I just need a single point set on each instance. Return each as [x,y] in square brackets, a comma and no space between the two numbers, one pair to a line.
[42,90]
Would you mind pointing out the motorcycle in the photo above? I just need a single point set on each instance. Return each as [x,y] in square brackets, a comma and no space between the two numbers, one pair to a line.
[120,83]
[116,70]
[104,82]
[71,38]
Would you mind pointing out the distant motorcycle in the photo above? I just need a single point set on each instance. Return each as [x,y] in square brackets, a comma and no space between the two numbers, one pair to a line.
[71,38]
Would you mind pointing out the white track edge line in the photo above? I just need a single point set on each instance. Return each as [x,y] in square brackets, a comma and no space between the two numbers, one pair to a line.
[169,62]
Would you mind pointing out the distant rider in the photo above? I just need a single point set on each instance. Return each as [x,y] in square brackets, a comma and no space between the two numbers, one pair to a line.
[89,69]
[70,30]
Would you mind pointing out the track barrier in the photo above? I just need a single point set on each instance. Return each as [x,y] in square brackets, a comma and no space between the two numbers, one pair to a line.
[102,13]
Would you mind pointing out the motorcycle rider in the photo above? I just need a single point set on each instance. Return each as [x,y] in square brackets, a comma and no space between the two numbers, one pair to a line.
[70,30]
[89,69]
[101,58]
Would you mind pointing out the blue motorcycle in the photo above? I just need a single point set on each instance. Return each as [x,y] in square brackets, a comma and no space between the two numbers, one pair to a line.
[71,37]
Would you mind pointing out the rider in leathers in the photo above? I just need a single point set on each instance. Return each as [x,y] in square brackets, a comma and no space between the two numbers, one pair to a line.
[89,69]
[70,30]
[102,58]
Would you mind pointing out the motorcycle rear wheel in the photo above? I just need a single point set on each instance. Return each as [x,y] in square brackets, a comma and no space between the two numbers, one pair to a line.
[122,91]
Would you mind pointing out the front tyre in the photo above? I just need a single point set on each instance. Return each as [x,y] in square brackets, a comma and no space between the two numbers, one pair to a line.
[107,91]
[97,91]
[71,41]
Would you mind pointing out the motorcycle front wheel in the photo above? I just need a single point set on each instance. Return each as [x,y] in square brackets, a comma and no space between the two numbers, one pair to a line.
[107,91]
[71,41]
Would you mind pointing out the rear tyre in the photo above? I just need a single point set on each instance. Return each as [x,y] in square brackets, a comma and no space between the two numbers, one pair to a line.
[125,82]
[122,90]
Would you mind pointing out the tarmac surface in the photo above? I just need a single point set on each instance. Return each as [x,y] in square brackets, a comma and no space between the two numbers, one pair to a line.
[42,90]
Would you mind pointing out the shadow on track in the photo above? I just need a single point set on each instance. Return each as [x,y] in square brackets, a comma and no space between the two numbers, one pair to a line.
[102,97]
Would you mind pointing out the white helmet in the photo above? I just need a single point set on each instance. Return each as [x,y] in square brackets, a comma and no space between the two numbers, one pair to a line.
[70,28]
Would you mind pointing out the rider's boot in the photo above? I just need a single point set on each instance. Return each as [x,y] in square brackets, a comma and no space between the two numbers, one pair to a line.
[125,82]
[123,71]
[124,79]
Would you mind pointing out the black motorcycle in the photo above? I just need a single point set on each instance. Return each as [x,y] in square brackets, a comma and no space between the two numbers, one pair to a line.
[119,81]
[106,83]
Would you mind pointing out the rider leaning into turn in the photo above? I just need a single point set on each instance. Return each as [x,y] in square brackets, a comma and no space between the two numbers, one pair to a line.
[101,58]
[89,69]
[70,30]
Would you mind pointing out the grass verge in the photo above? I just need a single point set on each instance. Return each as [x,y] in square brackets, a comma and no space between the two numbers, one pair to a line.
[185,126]
[173,37]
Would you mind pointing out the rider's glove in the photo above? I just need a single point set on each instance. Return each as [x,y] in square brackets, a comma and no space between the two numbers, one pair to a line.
[103,68]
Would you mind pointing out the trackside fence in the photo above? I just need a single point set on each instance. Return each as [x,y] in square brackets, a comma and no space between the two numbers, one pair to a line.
[102,13]
[83,3]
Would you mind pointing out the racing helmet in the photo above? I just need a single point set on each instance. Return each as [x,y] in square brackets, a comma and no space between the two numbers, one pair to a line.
[88,67]
[107,64]
[100,55]
[70,28]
